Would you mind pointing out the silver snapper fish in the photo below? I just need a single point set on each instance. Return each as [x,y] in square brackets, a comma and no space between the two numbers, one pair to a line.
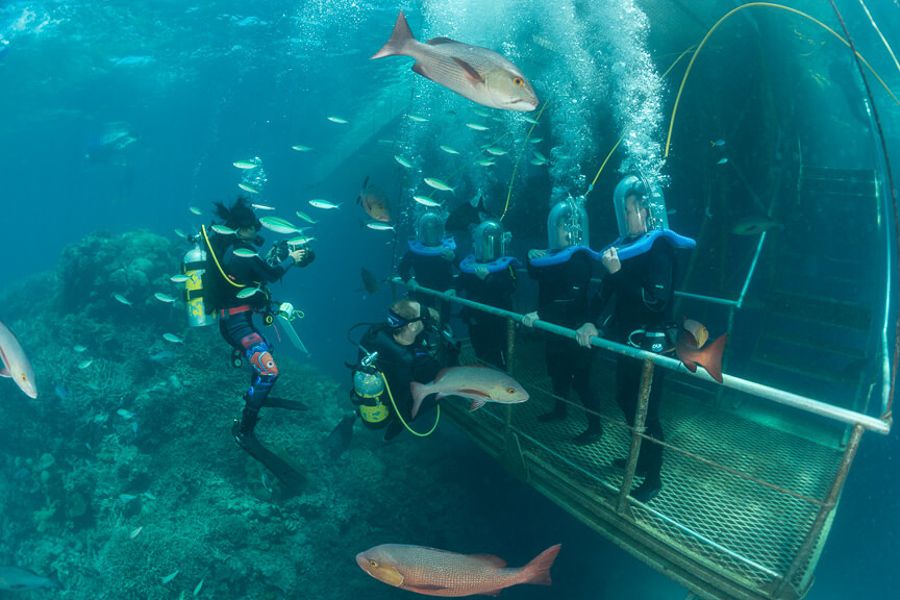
[15,364]
[478,384]
[14,579]
[479,74]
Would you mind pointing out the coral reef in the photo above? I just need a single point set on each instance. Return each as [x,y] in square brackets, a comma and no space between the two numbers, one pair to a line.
[123,471]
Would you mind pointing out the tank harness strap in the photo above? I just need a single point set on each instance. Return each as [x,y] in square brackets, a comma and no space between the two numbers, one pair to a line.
[230,312]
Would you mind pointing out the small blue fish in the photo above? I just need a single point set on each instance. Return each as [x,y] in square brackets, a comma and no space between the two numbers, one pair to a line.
[719,143]
[722,161]
[169,578]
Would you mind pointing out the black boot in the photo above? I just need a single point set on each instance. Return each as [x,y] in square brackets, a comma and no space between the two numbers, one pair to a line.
[648,490]
[557,414]
[592,434]
[621,463]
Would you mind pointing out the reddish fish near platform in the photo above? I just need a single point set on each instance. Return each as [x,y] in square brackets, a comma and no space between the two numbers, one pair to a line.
[691,351]
[433,572]
[374,202]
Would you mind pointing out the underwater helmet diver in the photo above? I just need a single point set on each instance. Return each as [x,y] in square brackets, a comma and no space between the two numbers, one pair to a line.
[639,286]
[563,273]
[430,259]
[488,276]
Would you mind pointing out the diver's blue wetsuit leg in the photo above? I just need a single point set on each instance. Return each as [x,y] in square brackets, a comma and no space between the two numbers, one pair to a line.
[240,332]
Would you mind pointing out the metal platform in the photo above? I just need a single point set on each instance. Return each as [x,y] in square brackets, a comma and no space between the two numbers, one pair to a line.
[739,499]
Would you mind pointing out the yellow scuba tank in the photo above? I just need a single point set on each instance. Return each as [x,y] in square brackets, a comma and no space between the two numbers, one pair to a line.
[194,265]
[368,387]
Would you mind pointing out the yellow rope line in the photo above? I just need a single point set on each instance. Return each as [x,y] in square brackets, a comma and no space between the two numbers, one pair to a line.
[512,177]
[622,137]
[734,11]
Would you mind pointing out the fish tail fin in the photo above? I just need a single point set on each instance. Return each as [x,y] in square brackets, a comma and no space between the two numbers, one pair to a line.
[401,36]
[537,572]
[710,358]
[419,391]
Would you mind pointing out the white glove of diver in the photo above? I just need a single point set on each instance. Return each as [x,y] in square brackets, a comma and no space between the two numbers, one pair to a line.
[287,310]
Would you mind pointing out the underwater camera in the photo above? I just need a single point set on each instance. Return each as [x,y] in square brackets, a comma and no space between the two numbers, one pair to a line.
[295,244]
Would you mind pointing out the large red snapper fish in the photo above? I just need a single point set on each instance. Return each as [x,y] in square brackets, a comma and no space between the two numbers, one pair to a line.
[479,74]
[433,572]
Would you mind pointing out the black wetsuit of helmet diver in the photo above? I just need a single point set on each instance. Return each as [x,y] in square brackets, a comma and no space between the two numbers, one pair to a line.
[237,327]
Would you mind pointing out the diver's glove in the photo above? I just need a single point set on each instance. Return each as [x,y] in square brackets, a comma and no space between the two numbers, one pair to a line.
[287,311]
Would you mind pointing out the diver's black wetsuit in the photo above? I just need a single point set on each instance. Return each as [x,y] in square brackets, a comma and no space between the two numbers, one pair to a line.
[433,272]
[488,332]
[401,366]
[236,321]
[563,300]
[643,293]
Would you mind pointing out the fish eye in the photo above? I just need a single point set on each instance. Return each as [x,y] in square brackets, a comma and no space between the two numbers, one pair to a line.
[510,390]
[373,563]
[518,81]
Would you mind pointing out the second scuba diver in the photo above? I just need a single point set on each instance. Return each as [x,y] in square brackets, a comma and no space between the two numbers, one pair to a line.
[392,356]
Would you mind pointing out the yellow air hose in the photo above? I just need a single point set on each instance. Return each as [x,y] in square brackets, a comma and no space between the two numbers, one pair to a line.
[512,177]
[437,418]
[622,137]
[216,259]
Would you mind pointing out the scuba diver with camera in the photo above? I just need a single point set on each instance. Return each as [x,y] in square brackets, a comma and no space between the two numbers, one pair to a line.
[411,346]
[235,288]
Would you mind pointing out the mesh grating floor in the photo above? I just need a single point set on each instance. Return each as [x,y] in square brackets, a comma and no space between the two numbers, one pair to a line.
[738,527]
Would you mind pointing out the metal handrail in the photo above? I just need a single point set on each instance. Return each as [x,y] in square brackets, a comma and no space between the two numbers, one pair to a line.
[752,388]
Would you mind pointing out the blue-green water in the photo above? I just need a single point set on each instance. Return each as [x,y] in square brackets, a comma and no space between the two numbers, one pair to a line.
[118,116]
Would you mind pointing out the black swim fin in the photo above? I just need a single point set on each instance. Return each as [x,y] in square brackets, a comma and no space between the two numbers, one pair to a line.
[292,481]
[340,437]
[274,402]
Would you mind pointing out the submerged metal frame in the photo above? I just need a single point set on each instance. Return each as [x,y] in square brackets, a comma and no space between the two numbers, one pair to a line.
[617,520]
[803,403]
